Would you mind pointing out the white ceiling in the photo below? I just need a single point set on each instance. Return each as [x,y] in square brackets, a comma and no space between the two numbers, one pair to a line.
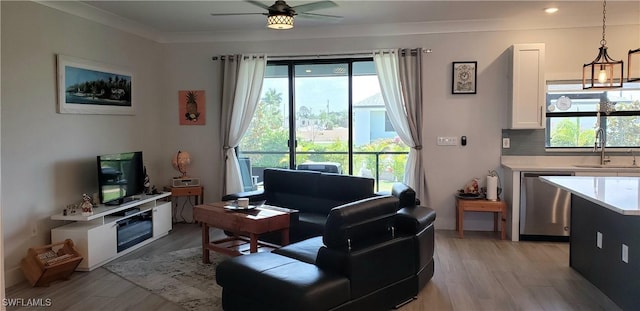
[190,21]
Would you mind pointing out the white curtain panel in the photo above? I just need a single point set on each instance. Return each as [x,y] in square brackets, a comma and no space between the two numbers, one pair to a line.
[242,83]
[400,77]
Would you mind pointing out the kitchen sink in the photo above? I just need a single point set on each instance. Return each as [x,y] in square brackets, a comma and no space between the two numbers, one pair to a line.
[607,166]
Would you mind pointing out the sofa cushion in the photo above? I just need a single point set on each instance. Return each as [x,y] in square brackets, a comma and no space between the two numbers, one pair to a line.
[306,250]
[279,280]
[357,221]
[345,188]
[301,183]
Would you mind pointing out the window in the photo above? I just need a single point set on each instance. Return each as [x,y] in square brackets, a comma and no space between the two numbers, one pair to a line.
[572,116]
[324,111]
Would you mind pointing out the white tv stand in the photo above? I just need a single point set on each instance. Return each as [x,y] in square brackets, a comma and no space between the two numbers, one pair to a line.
[95,236]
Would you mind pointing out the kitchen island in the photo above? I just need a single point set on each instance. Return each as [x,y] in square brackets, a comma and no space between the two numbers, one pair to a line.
[605,233]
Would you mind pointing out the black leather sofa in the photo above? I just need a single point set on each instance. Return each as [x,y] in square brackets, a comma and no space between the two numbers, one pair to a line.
[373,255]
[314,194]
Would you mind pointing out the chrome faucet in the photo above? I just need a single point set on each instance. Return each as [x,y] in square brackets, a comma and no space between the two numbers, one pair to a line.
[601,141]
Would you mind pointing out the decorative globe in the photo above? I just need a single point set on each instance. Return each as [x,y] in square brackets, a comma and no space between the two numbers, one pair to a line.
[181,162]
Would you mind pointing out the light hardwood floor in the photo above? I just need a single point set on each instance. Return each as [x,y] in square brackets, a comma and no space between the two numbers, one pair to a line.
[478,272]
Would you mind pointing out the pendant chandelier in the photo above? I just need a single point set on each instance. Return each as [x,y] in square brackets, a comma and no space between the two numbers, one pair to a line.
[603,72]
[633,71]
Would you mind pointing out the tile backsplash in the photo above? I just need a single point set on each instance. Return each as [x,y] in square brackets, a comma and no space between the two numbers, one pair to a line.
[530,143]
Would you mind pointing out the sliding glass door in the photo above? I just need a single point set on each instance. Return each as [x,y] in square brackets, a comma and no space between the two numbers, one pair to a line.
[322,114]
[338,118]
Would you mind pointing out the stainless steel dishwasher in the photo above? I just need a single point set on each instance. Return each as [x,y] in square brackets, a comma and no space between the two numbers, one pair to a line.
[545,210]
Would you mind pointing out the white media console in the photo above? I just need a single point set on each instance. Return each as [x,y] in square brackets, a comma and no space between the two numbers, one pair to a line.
[96,236]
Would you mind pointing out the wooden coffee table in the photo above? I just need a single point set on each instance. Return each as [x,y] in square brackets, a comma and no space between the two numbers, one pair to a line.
[251,223]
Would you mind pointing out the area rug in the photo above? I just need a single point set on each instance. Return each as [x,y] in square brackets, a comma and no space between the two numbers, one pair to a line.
[178,276]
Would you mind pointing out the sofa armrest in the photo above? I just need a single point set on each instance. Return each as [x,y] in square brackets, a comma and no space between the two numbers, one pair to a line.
[405,194]
[331,260]
[255,195]
[414,219]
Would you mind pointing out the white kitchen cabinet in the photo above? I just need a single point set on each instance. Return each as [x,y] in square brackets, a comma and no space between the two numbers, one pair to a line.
[96,236]
[527,106]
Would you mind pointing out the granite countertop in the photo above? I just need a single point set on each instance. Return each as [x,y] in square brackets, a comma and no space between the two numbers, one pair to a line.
[619,194]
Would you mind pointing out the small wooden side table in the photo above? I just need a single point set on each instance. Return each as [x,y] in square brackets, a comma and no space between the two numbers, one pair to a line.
[192,191]
[481,205]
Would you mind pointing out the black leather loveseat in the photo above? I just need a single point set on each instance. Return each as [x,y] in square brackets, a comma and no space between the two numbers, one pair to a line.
[373,255]
[314,194]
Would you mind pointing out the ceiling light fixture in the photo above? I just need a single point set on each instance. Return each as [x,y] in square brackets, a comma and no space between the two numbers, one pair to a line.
[280,21]
[551,10]
[603,71]
[633,71]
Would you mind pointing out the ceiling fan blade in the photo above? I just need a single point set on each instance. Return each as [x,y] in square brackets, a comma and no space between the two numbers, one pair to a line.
[258,3]
[320,16]
[235,14]
[314,6]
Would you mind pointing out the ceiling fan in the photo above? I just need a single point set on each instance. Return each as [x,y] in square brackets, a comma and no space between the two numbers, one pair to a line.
[280,15]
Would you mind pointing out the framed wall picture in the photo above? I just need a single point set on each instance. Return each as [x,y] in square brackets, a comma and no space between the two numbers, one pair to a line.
[192,107]
[464,78]
[89,87]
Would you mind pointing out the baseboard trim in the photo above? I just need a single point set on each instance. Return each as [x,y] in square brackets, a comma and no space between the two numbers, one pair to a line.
[13,277]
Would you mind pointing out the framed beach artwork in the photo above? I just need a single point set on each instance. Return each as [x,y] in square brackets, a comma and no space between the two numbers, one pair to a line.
[192,107]
[90,87]
[464,78]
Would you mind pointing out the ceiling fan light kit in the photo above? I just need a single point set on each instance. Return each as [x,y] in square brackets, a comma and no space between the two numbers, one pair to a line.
[280,21]
[281,15]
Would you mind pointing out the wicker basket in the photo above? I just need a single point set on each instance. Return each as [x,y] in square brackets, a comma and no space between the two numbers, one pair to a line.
[52,262]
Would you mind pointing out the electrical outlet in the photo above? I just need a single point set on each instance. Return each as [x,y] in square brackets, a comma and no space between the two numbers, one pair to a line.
[506,143]
[625,253]
[599,240]
[34,229]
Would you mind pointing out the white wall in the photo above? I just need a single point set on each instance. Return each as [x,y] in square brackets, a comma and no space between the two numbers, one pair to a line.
[480,116]
[49,158]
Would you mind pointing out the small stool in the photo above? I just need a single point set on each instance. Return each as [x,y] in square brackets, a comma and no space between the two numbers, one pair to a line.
[481,205]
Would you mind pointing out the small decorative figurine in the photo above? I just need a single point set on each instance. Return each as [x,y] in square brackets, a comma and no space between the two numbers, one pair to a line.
[86,206]
[472,186]
[147,182]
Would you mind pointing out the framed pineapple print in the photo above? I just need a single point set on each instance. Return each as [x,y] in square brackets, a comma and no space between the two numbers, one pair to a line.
[464,78]
[192,107]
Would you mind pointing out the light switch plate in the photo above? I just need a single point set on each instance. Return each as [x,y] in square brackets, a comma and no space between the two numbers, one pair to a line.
[625,253]
[447,141]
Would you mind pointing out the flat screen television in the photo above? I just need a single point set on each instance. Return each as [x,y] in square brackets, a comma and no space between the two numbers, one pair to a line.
[120,177]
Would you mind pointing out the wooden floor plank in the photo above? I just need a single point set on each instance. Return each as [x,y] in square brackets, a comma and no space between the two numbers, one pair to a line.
[479,272]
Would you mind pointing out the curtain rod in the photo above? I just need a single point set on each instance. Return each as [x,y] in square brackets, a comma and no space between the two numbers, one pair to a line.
[311,56]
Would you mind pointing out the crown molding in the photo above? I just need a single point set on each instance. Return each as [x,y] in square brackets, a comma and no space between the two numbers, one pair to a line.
[93,14]
[83,10]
